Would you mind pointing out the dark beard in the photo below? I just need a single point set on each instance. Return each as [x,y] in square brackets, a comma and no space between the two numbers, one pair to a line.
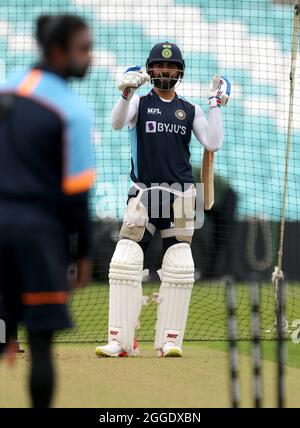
[165,85]
[76,71]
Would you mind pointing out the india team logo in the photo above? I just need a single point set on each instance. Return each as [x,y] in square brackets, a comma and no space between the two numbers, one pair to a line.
[166,53]
[180,114]
[150,126]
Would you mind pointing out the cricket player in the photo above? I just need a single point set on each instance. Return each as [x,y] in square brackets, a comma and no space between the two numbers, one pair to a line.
[46,171]
[162,198]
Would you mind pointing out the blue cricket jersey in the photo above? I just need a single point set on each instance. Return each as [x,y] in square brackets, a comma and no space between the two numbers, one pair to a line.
[160,141]
[45,146]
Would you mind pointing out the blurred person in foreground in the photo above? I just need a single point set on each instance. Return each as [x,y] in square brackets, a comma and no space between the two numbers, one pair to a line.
[46,171]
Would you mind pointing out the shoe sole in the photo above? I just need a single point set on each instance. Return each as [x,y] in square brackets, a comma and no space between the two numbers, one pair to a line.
[172,353]
[101,354]
[134,353]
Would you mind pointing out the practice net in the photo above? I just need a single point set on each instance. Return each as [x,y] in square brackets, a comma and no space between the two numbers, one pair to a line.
[249,41]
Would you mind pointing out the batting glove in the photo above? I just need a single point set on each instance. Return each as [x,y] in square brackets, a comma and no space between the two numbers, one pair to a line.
[219,91]
[133,78]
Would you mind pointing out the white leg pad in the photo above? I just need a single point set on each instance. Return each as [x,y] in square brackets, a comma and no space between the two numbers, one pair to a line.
[177,276]
[125,292]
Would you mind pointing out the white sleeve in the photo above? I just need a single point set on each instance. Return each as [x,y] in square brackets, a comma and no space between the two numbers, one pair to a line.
[125,112]
[209,133]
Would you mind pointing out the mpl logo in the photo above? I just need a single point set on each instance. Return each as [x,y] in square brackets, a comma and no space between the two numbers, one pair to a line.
[150,127]
[153,111]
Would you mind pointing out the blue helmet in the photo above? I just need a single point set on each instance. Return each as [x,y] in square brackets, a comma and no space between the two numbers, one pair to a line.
[163,52]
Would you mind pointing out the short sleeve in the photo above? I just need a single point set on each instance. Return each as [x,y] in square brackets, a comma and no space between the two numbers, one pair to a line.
[78,175]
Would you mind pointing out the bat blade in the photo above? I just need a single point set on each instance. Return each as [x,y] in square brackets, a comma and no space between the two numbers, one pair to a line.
[207,178]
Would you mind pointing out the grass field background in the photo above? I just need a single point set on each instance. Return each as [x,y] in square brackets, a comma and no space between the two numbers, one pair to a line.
[207,314]
[200,379]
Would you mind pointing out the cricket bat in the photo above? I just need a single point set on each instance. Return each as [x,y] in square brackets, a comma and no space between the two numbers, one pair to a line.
[207,178]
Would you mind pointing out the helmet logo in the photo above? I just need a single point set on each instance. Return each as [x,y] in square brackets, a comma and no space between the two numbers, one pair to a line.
[166,53]
[180,114]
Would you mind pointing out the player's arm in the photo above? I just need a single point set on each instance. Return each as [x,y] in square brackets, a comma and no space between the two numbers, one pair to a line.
[77,180]
[126,110]
[125,113]
[210,132]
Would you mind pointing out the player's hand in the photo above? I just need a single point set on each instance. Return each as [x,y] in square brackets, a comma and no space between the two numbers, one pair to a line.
[219,91]
[81,274]
[133,78]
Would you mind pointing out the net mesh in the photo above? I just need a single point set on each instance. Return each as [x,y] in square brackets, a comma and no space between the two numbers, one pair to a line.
[249,41]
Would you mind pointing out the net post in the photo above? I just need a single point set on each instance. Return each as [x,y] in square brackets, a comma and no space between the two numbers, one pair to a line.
[281,352]
[256,343]
[232,332]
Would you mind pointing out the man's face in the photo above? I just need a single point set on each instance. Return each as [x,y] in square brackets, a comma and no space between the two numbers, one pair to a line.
[166,74]
[79,54]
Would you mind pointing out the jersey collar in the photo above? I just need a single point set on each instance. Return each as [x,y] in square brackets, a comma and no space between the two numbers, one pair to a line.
[160,99]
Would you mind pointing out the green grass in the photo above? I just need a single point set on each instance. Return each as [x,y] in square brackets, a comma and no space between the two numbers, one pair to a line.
[207,314]
[199,379]
[268,348]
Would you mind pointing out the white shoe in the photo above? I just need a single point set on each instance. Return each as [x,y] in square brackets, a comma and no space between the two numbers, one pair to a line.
[170,350]
[114,349]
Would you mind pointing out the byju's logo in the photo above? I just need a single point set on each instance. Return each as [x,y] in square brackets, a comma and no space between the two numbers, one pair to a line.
[2,332]
[150,126]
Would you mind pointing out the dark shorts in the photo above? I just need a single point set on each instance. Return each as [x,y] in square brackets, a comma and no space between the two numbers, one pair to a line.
[159,205]
[33,278]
